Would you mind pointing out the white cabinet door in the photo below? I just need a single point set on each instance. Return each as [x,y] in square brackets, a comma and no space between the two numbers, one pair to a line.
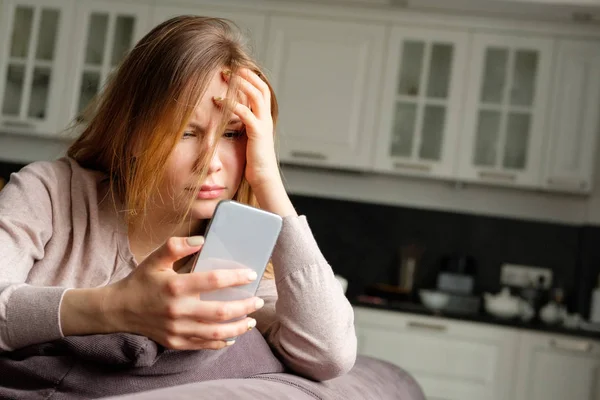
[574,118]
[553,367]
[251,23]
[506,109]
[107,30]
[326,74]
[451,360]
[421,102]
[33,61]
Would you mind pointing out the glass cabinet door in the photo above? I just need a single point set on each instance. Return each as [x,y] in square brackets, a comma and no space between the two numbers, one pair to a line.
[506,106]
[419,113]
[109,30]
[32,55]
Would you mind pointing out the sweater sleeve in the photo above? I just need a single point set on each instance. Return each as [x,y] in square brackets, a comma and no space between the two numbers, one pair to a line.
[28,314]
[311,324]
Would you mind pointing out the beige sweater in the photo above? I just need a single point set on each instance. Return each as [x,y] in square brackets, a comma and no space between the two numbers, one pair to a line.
[59,230]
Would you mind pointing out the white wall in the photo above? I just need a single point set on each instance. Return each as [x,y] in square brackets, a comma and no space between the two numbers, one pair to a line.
[382,189]
[25,149]
[430,194]
[593,206]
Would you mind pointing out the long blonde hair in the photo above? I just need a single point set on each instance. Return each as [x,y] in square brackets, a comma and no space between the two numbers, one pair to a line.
[132,128]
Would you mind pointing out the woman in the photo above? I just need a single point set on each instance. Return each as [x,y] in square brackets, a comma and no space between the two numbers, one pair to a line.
[97,242]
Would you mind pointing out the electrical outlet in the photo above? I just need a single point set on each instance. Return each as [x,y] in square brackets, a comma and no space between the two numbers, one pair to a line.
[525,275]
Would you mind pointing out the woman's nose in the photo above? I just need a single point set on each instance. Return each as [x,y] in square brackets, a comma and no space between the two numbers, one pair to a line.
[215,163]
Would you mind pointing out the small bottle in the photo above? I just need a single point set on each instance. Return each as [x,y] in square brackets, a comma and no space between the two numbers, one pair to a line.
[595,304]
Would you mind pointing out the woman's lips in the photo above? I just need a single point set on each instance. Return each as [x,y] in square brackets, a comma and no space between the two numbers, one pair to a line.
[208,192]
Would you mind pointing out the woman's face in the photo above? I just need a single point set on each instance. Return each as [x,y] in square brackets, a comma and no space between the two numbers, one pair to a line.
[225,169]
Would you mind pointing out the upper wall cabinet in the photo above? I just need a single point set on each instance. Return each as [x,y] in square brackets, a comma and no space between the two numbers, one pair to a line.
[327,75]
[574,118]
[252,24]
[421,102]
[107,31]
[33,61]
[506,109]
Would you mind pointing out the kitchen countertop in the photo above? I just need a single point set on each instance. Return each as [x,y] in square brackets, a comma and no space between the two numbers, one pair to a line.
[419,309]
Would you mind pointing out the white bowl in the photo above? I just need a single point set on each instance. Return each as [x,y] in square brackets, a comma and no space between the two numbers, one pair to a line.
[434,300]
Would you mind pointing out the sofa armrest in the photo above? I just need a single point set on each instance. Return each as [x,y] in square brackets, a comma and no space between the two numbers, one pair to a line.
[369,379]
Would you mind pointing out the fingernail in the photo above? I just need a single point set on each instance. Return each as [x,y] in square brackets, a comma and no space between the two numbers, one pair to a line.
[251,324]
[252,275]
[259,303]
[195,241]
[218,99]
[229,342]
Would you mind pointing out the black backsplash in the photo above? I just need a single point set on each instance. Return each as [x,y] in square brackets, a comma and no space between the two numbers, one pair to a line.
[361,242]
[7,168]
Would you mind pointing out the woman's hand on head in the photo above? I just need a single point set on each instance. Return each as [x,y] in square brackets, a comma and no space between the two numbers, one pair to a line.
[262,168]
[261,161]
[157,302]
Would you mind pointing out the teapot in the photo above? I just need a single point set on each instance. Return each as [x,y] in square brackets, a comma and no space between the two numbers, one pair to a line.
[553,313]
[505,305]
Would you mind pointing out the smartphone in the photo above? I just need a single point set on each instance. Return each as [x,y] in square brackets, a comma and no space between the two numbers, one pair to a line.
[238,236]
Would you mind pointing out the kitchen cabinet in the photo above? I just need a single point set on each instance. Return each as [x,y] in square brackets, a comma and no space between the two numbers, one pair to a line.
[33,61]
[421,102]
[451,360]
[454,359]
[108,30]
[574,117]
[506,109]
[251,23]
[553,367]
[386,91]
[327,76]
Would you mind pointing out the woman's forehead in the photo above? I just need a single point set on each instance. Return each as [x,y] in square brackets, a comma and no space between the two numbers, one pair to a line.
[207,110]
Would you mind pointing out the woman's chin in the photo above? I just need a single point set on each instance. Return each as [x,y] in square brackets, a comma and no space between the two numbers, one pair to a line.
[204,209]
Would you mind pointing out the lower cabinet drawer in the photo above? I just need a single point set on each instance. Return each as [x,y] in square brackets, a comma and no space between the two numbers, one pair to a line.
[451,360]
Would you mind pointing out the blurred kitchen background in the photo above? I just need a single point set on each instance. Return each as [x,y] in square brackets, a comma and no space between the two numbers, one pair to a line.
[444,152]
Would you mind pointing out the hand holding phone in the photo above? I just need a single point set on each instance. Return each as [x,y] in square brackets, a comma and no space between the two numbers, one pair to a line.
[238,236]
[156,301]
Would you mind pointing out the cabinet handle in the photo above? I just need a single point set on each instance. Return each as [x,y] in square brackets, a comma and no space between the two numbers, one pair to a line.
[498,176]
[428,326]
[18,124]
[569,345]
[415,167]
[309,155]
[565,183]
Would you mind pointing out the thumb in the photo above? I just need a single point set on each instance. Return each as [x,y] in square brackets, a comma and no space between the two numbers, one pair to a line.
[174,249]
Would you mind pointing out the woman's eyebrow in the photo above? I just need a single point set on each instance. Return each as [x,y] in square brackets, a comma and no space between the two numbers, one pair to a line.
[197,127]
[235,121]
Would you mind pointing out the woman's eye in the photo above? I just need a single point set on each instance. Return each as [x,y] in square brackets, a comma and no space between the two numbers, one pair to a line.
[188,134]
[233,134]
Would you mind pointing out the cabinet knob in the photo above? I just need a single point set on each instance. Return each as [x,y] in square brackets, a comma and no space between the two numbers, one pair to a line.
[308,155]
[427,326]
[498,176]
[414,167]
[567,184]
[571,345]
[18,124]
